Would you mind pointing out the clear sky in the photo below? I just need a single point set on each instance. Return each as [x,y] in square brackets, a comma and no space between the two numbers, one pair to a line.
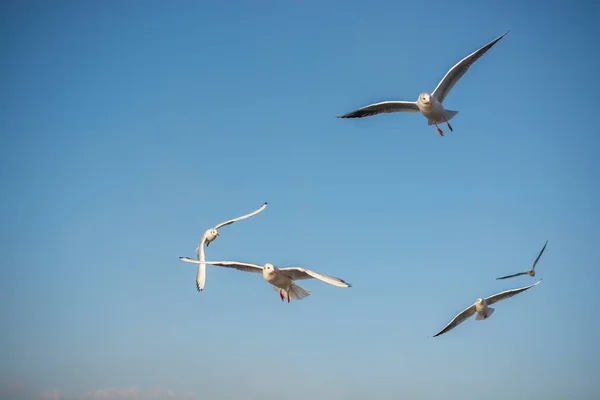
[130,127]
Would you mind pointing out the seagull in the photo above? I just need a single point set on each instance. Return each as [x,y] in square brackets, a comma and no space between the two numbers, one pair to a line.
[430,105]
[282,279]
[208,236]
[531,272]
[481,308]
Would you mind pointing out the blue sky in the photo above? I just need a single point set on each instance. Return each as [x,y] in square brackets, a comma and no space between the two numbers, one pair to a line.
[128,128]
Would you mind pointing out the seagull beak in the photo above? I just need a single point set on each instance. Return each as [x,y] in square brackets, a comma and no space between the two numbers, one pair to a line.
[275,272]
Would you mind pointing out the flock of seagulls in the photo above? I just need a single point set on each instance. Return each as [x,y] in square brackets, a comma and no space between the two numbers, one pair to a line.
[283,279]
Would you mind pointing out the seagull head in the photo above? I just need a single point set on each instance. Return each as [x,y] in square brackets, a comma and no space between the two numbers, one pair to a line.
[211,235]
[531,272]
[269,269]
[425,99]
[479,301]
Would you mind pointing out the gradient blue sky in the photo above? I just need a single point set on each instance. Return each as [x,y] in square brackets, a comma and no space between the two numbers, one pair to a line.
[128,128]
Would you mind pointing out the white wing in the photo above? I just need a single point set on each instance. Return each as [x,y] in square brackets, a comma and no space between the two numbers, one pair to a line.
[383,107]
[456,72]
[302,273]
[463,315]
[506,294]
[231,221]
[241,266]
[201,274]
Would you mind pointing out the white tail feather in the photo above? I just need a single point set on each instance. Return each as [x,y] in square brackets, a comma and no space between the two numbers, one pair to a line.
[489,312]
[296,292]
[448,115]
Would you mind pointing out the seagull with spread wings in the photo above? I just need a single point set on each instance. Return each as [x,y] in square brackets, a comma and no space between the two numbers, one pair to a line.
[282,279]
[481,308]
[208,236]
[430,105]
[531,272]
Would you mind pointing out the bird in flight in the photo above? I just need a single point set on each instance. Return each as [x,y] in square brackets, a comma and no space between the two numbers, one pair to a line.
[207,237]
[428,104]
[481,308]
[530,272]
[282,279]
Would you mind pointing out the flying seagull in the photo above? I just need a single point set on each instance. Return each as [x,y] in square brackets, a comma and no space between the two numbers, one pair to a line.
[481,308]
[531,272]
[282,279]
[430,105]
[208,236]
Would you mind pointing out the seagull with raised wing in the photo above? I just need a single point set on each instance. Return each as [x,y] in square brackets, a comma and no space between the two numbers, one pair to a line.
[430,105]
[531,272]
[481,308]
[282,279]
[208,236]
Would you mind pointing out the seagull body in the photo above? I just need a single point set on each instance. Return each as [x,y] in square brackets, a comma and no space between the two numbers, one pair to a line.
[429,105]
[482,308]
[208,236]
[530,272]
[282,279]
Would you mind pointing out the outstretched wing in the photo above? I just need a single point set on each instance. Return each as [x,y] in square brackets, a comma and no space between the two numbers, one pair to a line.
[201,273]
[302,273]
[456,72]
[242,266]
[462,316]
[506,294]
[512,276]
[231,221]
[539,255]
[383,107]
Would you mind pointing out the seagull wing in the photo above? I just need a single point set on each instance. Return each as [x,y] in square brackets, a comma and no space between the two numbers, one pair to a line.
[231,221]
[383,107]
[302,273]
[456,72]
[506,294]
[462,316]
[241,266]
[539,255]
[201,274]
[512,276]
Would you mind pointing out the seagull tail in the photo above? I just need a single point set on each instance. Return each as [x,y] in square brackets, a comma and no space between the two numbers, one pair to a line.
[490,311]
[296,292]
[449,114]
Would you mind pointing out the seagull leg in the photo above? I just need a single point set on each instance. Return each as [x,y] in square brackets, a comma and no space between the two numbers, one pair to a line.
[281,294]
[288,296]
[448,123]
[441,132]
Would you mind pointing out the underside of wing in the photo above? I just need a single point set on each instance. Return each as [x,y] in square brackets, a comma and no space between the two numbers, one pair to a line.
[383,107]
[458,70]
[241,266]
[463,315]
[507,293]
[231,221]
[201,273]
[512,276]
[303,273]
